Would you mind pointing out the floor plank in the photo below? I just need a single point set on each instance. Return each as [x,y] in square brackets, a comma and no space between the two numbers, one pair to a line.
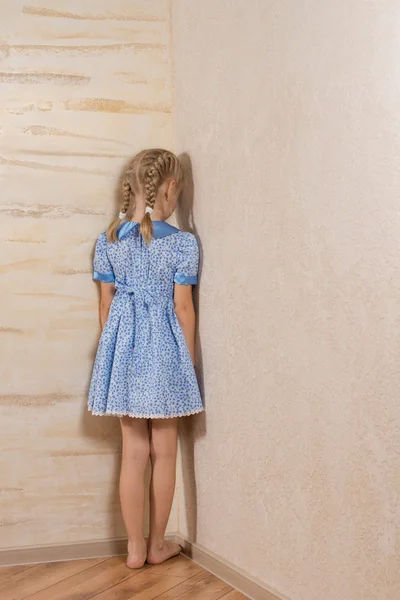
[203,586]
[142,587]
[37,578]
[88,583]
[179,565]
[6,572]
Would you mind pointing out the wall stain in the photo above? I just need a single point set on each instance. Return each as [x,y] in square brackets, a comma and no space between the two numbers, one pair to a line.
[33,78]
[57,168]
[114,106]
[72,494]
[69,153]
[85,241]
[88,50]
[22,241]
[130,78]
[67,271]
[36,400]
[94,452]
[81,36]
[42,130]
[10,330]
[21,110]
[56,14]
[21,264]
[49,211]
[11,490]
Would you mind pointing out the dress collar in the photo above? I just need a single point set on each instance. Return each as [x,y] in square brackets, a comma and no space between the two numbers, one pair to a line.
[161,229]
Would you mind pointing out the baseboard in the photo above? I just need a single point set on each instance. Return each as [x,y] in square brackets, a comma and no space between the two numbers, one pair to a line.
[226,571]
[60,552]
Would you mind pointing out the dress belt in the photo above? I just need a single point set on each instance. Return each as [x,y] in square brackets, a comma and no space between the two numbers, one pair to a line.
[140,296]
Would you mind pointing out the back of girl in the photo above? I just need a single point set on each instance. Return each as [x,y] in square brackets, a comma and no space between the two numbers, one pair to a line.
[144,368]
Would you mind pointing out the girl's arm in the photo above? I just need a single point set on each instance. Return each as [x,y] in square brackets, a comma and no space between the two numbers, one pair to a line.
[107,291]
[184,309]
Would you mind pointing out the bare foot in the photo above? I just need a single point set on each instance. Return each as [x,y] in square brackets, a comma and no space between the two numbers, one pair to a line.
[161,553]
[137,551]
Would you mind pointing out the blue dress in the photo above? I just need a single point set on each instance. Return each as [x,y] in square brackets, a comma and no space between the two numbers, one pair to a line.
[143,366]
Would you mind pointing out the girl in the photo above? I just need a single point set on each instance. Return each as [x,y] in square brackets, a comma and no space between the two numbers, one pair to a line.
[144,369]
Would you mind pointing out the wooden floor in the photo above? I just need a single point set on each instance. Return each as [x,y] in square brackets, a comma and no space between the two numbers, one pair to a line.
[110,579]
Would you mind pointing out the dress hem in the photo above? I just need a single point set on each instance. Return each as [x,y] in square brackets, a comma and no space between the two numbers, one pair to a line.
[135,416]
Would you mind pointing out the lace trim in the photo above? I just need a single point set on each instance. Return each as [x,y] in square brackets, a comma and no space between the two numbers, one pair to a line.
[117,414]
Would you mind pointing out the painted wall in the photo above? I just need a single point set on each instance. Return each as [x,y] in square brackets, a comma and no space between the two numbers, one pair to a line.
[85,84]
[290,114]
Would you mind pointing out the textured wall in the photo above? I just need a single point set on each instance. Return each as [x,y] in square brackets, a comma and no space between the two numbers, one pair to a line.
[84,85]
[290,113]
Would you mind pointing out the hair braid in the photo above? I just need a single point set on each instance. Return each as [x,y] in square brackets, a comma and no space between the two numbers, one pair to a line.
[156,174]
[151,185]
[126,196]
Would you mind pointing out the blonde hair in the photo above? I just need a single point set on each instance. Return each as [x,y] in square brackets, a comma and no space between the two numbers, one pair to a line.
[145,174]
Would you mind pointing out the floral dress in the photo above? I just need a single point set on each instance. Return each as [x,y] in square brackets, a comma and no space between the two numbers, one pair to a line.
[143,366]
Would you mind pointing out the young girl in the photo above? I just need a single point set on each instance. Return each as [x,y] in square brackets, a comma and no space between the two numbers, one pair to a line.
[144,369]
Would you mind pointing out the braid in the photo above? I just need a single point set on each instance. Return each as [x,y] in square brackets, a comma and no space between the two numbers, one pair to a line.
[163,166]
[156,173]
[151,185]
[126,196]
[126,199]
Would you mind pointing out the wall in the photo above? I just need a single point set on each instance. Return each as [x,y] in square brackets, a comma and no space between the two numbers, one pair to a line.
[85,85]
[289,111]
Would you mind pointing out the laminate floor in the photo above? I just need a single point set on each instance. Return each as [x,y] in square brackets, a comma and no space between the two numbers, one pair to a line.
[110,579]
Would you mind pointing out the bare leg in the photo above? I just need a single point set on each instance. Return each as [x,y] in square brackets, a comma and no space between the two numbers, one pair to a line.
[135,456]
[163,447]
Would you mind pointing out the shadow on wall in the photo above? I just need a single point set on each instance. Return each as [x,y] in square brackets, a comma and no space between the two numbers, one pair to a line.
[191,428]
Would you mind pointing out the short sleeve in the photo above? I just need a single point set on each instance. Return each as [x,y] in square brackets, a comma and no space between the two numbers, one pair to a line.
[188,262]
[103,270]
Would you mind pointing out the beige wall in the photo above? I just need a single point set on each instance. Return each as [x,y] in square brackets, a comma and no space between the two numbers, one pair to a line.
[290,113]
[84,85]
